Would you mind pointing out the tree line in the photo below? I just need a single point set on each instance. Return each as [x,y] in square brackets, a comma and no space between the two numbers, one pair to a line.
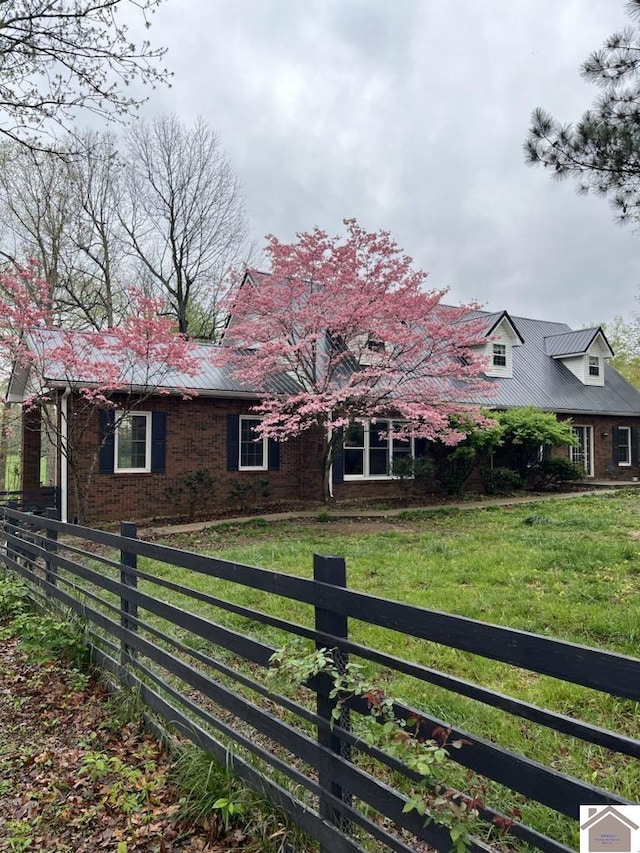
[157,206]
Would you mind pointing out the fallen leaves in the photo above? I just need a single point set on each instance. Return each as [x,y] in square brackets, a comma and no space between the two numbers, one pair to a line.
[50,724]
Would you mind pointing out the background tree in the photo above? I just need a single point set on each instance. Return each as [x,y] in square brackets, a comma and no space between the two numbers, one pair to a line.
[624,336]
[184,219]
[57,59]
[112,369]
[602,150]
[61,211]
[172,221]
[348,322]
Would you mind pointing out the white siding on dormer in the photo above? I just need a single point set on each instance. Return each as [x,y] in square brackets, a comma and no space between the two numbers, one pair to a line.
[579,364]
[576,364]
[502,334]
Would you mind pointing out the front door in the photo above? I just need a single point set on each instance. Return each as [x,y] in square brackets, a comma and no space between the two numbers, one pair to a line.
[582,453]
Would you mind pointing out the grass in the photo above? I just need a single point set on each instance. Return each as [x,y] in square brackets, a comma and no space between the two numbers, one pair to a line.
[564,568]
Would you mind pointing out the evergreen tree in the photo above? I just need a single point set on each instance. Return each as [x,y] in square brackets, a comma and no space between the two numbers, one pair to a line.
[602,150]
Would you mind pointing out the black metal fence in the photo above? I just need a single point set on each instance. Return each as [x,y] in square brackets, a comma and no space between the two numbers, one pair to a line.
[179,627]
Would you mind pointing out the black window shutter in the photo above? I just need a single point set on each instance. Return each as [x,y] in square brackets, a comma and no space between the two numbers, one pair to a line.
[274,455]
[233,442]
[420,448]
[615,438]
[107,441]
[158,442]
[634,445]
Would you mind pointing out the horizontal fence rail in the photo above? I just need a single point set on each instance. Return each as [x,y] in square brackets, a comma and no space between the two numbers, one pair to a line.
[181,628]
[32,500]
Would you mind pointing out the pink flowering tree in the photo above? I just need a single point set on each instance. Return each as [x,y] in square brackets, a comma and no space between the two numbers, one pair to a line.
[348,322]
[67,374]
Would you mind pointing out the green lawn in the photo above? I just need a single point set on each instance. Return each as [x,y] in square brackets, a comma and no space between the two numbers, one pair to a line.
[565,568]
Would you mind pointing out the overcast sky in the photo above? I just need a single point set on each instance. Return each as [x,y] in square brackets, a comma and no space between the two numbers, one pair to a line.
[410,116]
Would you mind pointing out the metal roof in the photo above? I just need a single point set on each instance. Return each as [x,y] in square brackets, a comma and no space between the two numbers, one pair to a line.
[538,379]
[546,383]
[211,378]
[571,343]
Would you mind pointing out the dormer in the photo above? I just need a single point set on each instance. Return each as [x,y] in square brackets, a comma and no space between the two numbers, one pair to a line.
[583,353]
[502,335]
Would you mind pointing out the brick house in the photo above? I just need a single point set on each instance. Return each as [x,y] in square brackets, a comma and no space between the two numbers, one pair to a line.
[142,465]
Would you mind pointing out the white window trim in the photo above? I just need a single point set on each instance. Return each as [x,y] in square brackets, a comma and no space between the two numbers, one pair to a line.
[588,451]
[265,447]
[596,365]
[366,458]
[628,431]
[121,416]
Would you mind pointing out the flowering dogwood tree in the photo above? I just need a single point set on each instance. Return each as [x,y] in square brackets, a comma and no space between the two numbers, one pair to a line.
[349,321]
[67,374]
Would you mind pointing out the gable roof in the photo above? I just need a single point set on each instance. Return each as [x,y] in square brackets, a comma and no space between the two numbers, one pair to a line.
[493,320]
[569,344]
[542,381]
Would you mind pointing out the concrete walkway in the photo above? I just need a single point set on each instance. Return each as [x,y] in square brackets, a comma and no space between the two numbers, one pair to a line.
[603,487]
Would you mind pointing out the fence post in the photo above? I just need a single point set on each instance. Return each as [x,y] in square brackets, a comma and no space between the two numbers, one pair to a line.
[332,570]
[12,530]
[128,609]
[51,547]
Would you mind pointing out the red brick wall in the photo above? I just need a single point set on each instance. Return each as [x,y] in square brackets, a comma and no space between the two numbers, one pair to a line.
[603,464]
[196,438]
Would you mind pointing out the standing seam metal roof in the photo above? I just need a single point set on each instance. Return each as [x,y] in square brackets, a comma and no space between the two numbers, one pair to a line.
[544,382]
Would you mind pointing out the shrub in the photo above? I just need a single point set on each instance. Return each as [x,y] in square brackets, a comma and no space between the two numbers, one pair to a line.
[457,468]
[246,494]
[415,475]
[190,490]
[554,472]
[500,481]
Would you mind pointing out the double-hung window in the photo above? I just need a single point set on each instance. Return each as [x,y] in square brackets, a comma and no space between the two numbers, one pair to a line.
[132,443]
[371,448]
[623,445]
[499,355]
[253,448]
[594,365]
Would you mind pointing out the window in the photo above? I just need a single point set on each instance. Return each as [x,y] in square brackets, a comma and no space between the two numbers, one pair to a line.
[622,437]
[581,454]
[253,448]
[375,344]
[499,355]
[594,365]
[246,450]
[371,449]
[132,443]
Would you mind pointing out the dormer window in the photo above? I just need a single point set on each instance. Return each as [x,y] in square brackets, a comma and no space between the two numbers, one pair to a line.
[375,345]
[584,353]
[500,339]
[499,355]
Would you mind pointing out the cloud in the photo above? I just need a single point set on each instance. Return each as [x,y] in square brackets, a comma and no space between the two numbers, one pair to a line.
[411,116]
